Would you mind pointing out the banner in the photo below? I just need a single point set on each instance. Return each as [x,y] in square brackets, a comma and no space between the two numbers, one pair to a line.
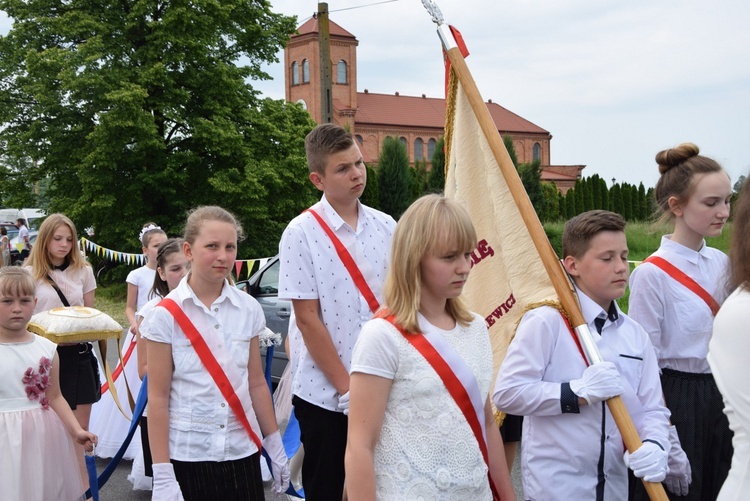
[507,272]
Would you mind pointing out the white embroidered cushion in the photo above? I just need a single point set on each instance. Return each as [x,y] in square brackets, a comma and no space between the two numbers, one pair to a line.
[74,324]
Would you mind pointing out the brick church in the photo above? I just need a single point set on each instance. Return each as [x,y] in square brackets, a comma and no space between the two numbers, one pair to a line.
[418,121]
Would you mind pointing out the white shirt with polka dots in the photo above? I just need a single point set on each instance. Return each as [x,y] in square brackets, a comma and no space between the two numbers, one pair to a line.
[311,269]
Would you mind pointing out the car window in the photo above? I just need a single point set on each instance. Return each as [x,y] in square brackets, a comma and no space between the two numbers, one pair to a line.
[269,280]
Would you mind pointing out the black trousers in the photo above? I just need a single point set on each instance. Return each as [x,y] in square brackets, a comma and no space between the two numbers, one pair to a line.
[323,434]
[238,480]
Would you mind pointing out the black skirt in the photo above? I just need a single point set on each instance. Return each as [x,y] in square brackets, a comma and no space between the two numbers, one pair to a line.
[698,414]
[79,375]
[238,480]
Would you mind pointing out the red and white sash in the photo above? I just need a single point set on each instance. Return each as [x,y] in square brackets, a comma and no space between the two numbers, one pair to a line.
[221,366]
[685,280]
[349,263]
[458,380]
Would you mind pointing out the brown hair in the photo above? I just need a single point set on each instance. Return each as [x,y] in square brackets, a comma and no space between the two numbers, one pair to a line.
[429,225]
[580,230]
[166,249]
[679,168]
[739,250]
[16,281]
[41,264]
[322,141]
[200,215]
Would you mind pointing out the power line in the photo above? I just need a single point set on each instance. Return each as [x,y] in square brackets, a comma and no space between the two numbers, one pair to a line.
[363,6]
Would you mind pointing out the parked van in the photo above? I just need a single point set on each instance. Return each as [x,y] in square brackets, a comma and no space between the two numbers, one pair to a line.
[30,215]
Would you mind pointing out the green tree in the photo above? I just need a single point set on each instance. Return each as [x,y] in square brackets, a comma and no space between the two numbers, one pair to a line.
[140,110]
[394,179]
[642,203]
[436,178]
[371,195]
[531,177]
[570,203]
[419,174]
[579,197]
[17,186]
[550,206]
[508,142]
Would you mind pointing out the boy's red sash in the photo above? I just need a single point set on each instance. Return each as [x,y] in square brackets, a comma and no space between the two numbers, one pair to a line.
[452,384]
[349,264]
[685,280]
[211,365]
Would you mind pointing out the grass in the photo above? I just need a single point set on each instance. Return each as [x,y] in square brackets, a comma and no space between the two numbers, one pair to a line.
[112,299]
[643,240]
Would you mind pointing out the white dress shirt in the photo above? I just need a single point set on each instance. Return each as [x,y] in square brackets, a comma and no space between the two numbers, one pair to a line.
[74,284]
[311,269]
[202,426]
[727,355]
[678,322]
[562,442]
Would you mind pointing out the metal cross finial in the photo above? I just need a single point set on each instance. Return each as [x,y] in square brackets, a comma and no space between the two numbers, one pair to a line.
[434,10]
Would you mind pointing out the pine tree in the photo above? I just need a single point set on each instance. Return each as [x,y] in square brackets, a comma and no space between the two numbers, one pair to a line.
[436,177]
[642,203]
[394,179]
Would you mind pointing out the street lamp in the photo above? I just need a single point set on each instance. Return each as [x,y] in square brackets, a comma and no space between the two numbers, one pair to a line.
[613,181]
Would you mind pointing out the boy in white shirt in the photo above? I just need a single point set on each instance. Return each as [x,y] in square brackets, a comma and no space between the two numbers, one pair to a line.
[572,448]
[329,307]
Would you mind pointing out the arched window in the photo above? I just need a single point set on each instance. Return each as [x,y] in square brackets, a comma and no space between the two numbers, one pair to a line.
[418,149]
[295,73]
[406,145]
[305,71]
[359,139]
[341,72]
[537,152]
[430,149]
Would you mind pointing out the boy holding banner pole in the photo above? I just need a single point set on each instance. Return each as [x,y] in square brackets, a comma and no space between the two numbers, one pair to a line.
[569,435]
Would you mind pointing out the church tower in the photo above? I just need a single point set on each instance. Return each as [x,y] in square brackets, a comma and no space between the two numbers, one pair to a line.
[302,72]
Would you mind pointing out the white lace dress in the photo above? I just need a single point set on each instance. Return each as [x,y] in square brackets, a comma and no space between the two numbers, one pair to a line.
[426,449]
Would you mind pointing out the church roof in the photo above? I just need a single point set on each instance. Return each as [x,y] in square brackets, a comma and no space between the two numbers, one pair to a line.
[429,112]
[311,26]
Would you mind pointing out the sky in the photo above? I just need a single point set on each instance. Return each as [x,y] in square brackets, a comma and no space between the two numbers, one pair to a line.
[614,82]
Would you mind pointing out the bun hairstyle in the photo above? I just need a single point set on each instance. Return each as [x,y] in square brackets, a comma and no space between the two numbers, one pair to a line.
[679,168]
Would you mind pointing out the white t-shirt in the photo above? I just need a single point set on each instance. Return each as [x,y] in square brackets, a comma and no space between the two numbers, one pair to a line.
[202,426]
[143,279]
[678,322]
[23,235]
[310,268]
[426,448]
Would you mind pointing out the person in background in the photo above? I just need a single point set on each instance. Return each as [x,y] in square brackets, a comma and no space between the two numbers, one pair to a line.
[728,349]
[674,295]
[63,278]
[23,238]
[4,247]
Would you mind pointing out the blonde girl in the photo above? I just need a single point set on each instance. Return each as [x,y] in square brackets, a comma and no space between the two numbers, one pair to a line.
[407,437]
[200,450]
[60,271]
[693,192]
[38,459]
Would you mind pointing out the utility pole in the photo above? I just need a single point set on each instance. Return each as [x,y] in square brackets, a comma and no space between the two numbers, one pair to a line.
[324,41]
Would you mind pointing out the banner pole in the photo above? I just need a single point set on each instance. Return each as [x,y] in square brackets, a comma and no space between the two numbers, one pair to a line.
[551,262]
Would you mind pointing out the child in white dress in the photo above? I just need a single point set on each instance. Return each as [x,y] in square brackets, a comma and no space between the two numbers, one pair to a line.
[38,460]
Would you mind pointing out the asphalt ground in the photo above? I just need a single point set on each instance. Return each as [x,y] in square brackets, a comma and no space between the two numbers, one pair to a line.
[119,488]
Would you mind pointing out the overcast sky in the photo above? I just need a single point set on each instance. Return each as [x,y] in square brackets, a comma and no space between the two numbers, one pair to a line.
[613,82]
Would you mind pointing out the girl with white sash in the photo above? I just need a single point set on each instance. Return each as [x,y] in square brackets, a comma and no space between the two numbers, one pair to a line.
[421,374]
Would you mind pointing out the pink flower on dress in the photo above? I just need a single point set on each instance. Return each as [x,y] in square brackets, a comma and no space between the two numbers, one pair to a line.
[37,383]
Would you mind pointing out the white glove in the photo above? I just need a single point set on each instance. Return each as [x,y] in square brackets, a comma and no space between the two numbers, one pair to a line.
[600,381]
[649,462]
[165,487]
[344,403]
[279,464]
[679,475]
